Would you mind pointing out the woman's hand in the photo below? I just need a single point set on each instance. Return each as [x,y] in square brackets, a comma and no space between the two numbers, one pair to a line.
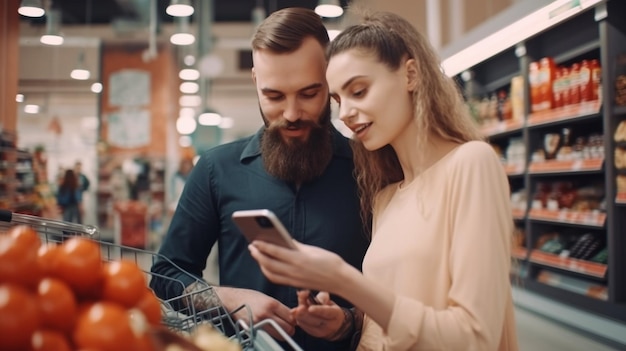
[322,320]
[308,267]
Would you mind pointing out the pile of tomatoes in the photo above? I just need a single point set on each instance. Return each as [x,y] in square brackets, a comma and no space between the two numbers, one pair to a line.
[64,297]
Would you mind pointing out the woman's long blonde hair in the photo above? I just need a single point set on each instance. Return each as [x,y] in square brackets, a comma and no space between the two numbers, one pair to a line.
[439,108]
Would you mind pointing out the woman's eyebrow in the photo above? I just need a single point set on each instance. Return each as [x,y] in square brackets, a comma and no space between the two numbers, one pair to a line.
[348,82]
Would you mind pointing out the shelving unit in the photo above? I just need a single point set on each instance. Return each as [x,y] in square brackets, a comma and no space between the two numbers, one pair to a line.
[598,214]
[17,177]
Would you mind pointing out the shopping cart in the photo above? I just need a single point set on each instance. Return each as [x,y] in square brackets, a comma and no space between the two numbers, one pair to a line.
[179,313]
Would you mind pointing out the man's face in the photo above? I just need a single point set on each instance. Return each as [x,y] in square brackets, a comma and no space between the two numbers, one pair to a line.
[293,98]
[292,88]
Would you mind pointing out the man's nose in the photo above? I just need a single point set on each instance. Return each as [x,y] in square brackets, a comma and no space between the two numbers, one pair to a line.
[292,111]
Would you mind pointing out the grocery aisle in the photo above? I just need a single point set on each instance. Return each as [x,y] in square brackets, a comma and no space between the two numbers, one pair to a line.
[539,334]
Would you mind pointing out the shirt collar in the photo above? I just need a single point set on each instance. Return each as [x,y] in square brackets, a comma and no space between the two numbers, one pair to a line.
[341,147]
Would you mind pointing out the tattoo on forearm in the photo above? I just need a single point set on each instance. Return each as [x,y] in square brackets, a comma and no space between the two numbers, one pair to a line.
[201,296]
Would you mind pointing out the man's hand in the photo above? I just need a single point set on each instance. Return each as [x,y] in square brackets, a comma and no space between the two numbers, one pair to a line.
[323,321]
[262,307]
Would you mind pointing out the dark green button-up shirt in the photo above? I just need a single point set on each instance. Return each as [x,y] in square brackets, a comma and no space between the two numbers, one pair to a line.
[231,177]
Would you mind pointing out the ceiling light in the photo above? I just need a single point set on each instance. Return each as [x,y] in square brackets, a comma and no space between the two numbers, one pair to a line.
[19,98]
[32,109]
[189,74]
[329,8]
[182,35]
[189,60]
[96,88]
[80,72]
[182,39]
[179,8]
[189,87]
[185,125]
[52,36]
[31,8]
[210,119]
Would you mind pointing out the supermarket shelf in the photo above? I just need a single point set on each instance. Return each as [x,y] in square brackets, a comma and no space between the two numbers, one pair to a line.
[589,218]
[501,128]
[560,167]
[519,252]
[569,113]
[585,288]
[588,268]
[514,169]
[620,199]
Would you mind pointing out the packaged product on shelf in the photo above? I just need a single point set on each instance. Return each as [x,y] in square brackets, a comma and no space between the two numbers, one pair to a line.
[596,79]
[620,181]
[551,143]
[620,132]
[535,87]
[565,152]
[517,98]
[557,88]
[620,80]
[547,74]
[620,158]
[565,86]
[574,84]
[585,81]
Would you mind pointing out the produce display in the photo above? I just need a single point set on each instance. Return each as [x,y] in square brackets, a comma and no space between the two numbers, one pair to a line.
[63,296]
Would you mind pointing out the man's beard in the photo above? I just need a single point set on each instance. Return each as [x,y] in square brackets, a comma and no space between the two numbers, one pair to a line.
[295,160]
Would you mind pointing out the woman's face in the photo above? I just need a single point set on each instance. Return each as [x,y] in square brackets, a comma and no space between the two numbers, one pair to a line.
[374,102]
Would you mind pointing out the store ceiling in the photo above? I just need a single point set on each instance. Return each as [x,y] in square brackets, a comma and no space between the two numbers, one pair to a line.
[81,12]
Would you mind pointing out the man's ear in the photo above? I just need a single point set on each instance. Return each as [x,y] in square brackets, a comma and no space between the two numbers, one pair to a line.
[411,74]
[253,75]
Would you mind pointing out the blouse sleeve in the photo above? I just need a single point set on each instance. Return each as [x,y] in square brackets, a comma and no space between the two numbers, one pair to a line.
[479,261]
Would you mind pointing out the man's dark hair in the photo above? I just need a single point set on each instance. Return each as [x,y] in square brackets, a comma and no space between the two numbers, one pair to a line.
[284,30]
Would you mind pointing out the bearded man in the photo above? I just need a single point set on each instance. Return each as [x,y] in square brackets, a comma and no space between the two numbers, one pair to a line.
[297,165]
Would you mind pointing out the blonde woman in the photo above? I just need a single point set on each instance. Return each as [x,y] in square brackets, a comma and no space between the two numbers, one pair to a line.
[436,274]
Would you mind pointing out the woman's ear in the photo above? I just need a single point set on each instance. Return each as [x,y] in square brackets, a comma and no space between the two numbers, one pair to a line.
[411,74]
[253,75]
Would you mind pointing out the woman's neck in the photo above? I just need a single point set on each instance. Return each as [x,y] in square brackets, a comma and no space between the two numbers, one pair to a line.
[416,159]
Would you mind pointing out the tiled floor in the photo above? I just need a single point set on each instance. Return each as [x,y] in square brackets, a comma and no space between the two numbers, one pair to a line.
[539,334]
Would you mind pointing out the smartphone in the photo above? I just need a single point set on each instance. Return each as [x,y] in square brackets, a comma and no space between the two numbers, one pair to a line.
[263,225]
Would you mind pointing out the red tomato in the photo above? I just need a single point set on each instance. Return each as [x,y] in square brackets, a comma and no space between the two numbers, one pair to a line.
[19,317]
[47,256]
[57,305]
[18,257]
[104,326]
[49,340]
[79,265]
[150,306]
[123,282]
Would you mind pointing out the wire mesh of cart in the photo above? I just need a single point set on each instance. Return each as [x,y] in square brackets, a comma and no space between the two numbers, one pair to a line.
[178,314]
